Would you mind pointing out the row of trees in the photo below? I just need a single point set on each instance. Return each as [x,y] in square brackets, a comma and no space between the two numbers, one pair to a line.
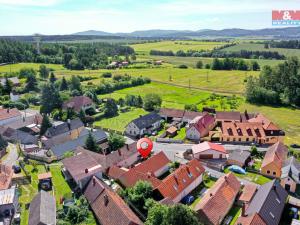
[73,56]
[246,54]
[277,85]
[234,64]
[294,44]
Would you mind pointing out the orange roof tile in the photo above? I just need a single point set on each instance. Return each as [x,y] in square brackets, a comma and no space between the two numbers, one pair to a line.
[9,113]
[276,154]
[6,174]
[254,219]
[248,192]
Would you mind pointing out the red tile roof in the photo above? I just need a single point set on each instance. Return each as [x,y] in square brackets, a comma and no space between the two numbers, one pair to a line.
[254,219]
[9,113]
[143,171]
[267,124]
[174,113]
[202,123]
[109,208]
[77,103]
[276,154]
[6,174]
[190,115]
[204,146]
[243,129]
[228,116]
[248,192]
[218,200]
[180,179]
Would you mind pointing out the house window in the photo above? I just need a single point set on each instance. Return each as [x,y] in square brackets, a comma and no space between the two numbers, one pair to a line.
[299,176]
[277,199]
[233,139]
[175,187]
[268,172]
[228,139]
[240,139]
[274,173]
[197,168]
[247,139]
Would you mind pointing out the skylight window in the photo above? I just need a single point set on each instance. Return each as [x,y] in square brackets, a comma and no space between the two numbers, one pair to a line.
[272,215]
[175,187]
[277,199]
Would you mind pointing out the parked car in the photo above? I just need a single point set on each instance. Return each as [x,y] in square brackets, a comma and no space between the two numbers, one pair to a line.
[16,168]
[189,199]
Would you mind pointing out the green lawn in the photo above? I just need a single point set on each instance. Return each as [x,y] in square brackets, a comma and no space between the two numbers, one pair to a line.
[180,134]
[174,46]
[119,122]
[35,66]
[260,47]
[28,191]
[253,177]
[235,212]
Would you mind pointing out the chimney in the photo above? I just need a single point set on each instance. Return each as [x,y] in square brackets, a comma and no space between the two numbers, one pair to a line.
[244,209]
[210,194]
[7,110]
[149,174]
[127,146]
[86,170]
[105,200]
[94,181]
[119,151]
[225,178]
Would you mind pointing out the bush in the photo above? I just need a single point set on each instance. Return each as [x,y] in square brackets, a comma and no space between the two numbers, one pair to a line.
[107,75]
[182,66]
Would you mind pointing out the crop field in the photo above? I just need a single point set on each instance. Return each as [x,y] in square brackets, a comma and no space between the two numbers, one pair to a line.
[260,47]
[175,46]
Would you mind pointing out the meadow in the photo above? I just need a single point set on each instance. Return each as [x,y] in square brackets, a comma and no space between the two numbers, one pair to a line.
[260,47]
[175,46]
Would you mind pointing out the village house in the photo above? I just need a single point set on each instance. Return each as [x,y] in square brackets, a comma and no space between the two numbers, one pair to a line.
[274,159]
[62,132]
[209,150]
[20,136]
[108,207]
[45,181]
[179,115]
[28,118]
[218,200]
[81,168]
[273,132]
[143,125]
[266,207]
[78,103]
[199,127]
[9,202]
[42,210]
[8,116]
[6,174]
[239,158]
[14,80]
[182,181]
[148,170]
[233,116]
[171,131]
[247,194]
[60,149]
[290,174]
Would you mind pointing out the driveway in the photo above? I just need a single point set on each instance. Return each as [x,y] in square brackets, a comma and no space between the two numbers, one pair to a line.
[12,155]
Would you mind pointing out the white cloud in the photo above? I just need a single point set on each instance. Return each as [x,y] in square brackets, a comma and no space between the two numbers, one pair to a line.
[30,2]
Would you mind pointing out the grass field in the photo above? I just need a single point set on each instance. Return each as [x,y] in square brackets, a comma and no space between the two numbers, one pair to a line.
[191,61]
[175,46]
[119,122]
[35,66]
[253,177]
[260,47]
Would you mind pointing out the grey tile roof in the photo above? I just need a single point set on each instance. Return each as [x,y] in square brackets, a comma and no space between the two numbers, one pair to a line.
[240,156]
[269,202]
[64,127]
[147,120]
[18,135]
[42,209]
[59,150]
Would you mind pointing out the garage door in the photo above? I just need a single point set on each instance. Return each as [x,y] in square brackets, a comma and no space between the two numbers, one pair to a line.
[206,156]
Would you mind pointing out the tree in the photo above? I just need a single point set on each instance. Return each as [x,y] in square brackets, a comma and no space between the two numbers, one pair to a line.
[31,83]
[138,194]
[110,108]
[75,83]
[52,78]
[223,104]
[63,84]
[82,115]
[254,151]
[3,143]
[45,124]
[50,99]
[152,102]
[115,141]
[7,87]
[178,214]
[26,72]
[91,143]
[199,64]
[191,107]
[44,72]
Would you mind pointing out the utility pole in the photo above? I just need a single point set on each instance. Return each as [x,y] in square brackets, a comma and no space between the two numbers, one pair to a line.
[207,76]
[189,83]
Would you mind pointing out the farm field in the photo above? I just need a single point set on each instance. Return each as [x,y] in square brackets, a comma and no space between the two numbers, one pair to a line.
[35,66]
[260,47]
[191,61]
[175,46]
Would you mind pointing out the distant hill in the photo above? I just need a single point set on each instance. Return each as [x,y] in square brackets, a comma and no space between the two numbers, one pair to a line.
[289,32]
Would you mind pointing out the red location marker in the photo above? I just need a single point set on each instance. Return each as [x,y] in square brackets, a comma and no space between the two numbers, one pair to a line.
[144,146]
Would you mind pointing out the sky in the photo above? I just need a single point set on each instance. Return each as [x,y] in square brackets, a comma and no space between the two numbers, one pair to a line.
[26,17]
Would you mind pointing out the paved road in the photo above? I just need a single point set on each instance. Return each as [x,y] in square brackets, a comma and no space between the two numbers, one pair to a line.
[12,156]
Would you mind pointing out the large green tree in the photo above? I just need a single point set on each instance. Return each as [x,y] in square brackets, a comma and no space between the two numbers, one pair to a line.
[115,141]
[152,102]
[50,98]
[45,124]
[44,72]
[110,108]
[31,83]
[91,143]
[63,84]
